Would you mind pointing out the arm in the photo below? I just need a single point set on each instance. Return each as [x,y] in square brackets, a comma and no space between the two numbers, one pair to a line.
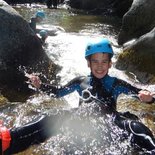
[57,91]
[121,86]
[73,85]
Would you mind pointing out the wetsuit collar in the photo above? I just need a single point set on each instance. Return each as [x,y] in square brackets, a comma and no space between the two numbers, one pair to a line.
[103,78]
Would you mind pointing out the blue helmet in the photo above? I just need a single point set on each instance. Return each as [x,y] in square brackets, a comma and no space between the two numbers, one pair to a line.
[99,46]
[43,33]
[40,14]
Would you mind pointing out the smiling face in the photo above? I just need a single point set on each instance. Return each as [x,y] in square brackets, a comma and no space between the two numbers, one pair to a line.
[99,64]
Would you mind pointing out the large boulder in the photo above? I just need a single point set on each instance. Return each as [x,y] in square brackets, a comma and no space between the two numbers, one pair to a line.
[120,7]
[105,7]
[138,58]
[140,19]
[20,48]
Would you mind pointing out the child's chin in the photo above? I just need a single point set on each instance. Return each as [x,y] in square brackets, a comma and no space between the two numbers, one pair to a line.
[99,76]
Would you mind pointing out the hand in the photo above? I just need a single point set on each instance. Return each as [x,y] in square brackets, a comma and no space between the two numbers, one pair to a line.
[145,96]
[34,80]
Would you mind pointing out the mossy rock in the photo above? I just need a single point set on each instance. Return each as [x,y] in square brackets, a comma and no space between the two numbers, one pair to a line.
[143,61]
[140,63]
[3,100]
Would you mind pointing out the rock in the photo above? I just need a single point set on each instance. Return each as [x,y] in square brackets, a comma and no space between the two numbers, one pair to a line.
[121,7]
[20,48]
[140,19]
[139,57]
[3,100]
[104,7]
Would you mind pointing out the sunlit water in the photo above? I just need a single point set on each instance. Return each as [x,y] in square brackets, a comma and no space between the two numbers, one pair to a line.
[80,135]
[67,48]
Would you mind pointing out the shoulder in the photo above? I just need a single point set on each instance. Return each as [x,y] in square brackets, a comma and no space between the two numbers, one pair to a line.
[77,80]
[121,83]
[109,79]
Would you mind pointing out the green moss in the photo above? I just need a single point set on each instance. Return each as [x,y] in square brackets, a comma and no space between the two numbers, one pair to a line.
[146,63]
[152,80]
[143,61]
[3,100]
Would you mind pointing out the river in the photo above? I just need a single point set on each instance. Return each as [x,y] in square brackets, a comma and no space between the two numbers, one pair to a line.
[67,50]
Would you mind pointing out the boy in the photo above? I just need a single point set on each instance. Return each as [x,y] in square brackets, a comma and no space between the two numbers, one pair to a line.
[98,55]
[43,36]
[101,86]
[39,16]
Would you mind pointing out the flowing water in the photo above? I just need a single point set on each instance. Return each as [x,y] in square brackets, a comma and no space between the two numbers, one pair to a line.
[67,50]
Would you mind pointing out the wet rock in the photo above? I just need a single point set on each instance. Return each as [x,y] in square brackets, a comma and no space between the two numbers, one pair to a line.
[140,19]
[3,100]
[138,58]
[19,47]
[121,7]
[105,7]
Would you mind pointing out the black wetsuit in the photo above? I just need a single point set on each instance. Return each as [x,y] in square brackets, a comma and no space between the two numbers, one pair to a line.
[32,24]
[106,90]
[36,131]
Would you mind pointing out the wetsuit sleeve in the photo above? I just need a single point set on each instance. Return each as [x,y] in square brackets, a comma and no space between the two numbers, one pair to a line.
[121,86]
[49,89]
[73,85]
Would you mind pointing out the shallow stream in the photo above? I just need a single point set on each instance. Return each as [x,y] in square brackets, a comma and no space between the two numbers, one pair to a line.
[67,50]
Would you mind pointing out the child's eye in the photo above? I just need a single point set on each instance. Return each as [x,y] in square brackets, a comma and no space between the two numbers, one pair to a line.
[94,61]
[105,61]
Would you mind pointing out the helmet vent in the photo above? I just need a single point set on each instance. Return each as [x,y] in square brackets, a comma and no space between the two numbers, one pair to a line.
[89,47]
[109,45]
